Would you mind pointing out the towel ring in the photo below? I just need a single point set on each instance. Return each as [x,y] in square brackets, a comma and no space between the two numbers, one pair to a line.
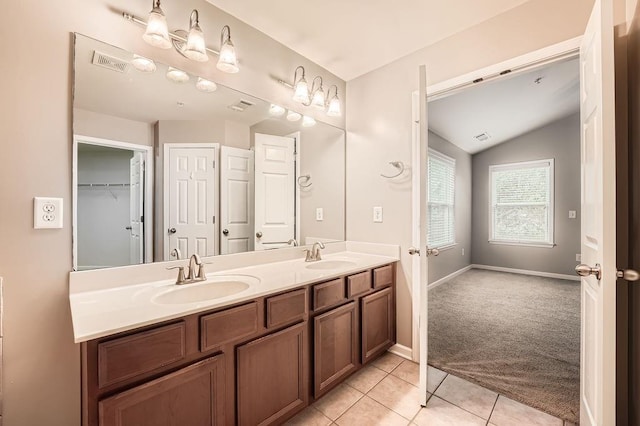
[398,165]
[304,179]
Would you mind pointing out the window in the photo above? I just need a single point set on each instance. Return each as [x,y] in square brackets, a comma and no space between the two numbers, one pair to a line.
[441,196]
[521,203]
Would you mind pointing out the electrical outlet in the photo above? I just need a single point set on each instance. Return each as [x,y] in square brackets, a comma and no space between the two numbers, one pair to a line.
[578,257]
[377,214]
[47,213]
[319,214]
[572,214]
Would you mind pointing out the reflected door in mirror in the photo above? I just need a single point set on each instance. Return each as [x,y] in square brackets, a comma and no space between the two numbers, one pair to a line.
[236,199]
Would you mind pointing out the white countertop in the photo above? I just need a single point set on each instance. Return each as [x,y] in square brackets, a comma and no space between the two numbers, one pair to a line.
[105,308]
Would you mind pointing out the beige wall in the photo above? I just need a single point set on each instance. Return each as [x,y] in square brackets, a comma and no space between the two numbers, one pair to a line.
[379,117]
[41,374]
[97,125]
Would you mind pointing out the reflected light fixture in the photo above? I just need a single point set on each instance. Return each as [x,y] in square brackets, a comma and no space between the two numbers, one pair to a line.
[143,64]
[308,121]
[333,109]
[205,85]
[177,76]
[300,87]
[227,60]
[157,33]
[195,47]
[276,110]
[318,98]
[293,116]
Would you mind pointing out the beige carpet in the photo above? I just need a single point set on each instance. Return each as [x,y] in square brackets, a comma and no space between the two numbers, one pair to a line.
[515,334]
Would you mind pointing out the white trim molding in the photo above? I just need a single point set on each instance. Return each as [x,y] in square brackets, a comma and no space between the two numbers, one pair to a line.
[448,277]
[527,272]
[402,351]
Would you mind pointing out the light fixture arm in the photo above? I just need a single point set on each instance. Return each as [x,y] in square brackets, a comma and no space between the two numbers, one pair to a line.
[333,86]
[295,75]
[313,84]
[193,18]
[222,37]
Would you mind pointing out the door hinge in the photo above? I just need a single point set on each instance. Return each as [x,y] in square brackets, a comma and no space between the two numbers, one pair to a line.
[214,164]
[214,219]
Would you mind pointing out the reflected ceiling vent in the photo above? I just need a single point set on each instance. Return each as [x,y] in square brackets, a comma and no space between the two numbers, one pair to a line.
[482,137]
[109,62]
[240,106]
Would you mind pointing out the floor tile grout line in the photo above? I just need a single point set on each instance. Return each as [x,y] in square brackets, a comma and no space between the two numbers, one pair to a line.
[493,408]
[462,408]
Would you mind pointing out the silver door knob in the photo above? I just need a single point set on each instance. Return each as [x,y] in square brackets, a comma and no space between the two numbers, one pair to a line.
[225,231]
[128,228]
[259,234]
[586,270]
[413,250]
[433,252]
[171,230]
[628,274]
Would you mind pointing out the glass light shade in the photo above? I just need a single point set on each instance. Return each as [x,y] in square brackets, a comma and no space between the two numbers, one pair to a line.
[301,91]
[205,85]
[276,110]
[334,109]
[195,47]
[308,121]
[227,61]
[157,33]
[293,116]
[177,76]
[143,64]
[318,98]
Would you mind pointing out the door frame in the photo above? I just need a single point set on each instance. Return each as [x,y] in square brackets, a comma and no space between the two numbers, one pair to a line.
[148,189]
[560,51]
[165,197]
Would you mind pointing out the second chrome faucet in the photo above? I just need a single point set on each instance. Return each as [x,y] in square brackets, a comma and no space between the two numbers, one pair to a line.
[195,271]
[313,254]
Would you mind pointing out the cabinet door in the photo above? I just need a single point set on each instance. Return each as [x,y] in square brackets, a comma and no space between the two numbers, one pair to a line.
[272,377]
[335,346]
[192,396]
[378,323]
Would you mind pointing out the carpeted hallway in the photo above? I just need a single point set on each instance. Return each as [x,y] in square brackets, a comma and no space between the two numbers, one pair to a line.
[515,334]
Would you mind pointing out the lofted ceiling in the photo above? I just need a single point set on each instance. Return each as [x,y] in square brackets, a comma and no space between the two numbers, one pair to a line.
[508,107]
[350,37]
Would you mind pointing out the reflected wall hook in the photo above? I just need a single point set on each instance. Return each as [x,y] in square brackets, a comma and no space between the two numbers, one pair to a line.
[399,165]
[304,181]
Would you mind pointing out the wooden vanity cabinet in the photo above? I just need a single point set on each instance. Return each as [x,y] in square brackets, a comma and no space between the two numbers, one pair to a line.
[378,325]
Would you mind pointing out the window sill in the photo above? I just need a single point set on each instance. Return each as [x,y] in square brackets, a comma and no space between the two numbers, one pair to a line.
[522,244]
[445,248]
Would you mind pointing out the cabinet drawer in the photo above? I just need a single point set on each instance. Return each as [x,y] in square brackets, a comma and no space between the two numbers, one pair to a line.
[328,294]
[231,324]
[126,357]
[287,308]
[358,283]
[383,277]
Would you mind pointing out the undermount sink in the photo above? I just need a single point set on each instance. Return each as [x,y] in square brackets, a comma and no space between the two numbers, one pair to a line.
[212,288]
[331,264]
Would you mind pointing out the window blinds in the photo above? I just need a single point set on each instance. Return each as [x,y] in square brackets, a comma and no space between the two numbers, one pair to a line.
[441,200]
[521,202]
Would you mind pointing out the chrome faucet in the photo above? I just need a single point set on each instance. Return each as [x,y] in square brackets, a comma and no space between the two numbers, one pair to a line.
[293,241]
[313,254]
[195,271]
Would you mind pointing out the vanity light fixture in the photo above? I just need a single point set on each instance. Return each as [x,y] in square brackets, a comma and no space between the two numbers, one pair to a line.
[333,109]
[205,85]
[293,116]
[195,47]
[300,87]
[177,76]
[318,98]
[143,64]
[227,60]
[157,33]
[276,110]
[308,121]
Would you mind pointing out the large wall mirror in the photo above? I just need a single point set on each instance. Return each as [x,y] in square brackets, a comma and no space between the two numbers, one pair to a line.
[167,165]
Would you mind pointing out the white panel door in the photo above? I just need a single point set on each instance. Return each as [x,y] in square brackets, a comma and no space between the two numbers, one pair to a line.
[598,228]
[275,191]
[136,208]
[191,201]
[236,200]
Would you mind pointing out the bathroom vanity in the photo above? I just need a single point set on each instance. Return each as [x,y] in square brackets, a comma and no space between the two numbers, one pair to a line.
[256,357]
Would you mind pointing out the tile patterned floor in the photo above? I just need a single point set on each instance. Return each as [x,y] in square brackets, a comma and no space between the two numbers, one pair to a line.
[386,393]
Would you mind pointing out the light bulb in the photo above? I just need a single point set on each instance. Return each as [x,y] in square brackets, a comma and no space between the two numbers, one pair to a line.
[195,47]
[177,76]
[318,98]
[334,109]
[293,116]
[308,121]
[157,33]
[205,85]
[143,64]
[276,110]
[301,91]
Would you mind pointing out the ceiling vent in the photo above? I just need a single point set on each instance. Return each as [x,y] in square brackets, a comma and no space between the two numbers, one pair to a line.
[241,106]
[482,137]
[109,62]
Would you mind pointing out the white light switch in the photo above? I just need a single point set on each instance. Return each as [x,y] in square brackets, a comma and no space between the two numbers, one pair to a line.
[47,213]
[377,214]
[319,214]
[572,214]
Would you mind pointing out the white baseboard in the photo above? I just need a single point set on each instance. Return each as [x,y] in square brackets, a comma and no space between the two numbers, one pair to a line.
[527,272]
[448,277]
[401,351]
